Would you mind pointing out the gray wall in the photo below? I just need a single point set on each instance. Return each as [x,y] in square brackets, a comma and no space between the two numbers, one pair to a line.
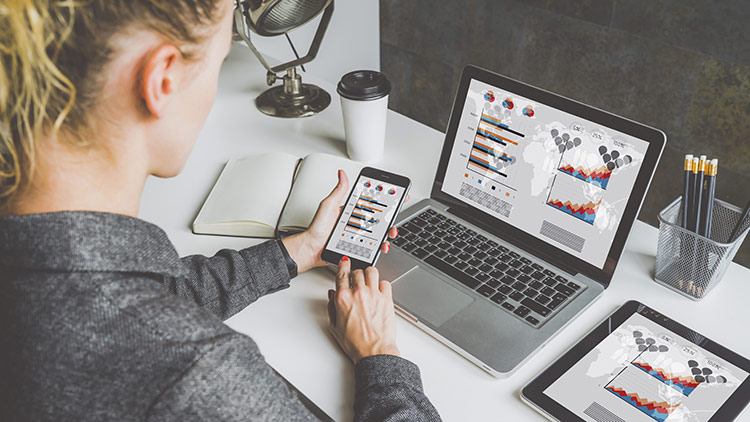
[680,65]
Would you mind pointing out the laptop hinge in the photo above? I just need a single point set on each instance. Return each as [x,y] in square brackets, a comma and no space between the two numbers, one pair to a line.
[558,262]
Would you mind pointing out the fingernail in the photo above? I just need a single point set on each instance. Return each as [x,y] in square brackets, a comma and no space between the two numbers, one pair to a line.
[330,294]
[346,258]
[396,231]
[387,247]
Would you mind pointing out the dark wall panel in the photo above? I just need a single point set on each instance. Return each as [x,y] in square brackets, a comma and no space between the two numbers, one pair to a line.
[682,66]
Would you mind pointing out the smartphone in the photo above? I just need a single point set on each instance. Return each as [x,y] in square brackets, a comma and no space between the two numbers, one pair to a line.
[368,214]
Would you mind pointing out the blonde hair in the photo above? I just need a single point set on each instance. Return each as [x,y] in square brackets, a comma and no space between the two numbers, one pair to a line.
[51,56]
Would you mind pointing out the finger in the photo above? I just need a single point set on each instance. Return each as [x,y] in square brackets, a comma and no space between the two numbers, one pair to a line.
[385,247]
[331,307]
[339,191]
[385,287]
[371,277]
[393,232]
[342,277]
[358,279]
[408,197]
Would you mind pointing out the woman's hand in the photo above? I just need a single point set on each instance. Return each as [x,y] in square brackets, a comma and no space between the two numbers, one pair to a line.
[305,248]
[361,313]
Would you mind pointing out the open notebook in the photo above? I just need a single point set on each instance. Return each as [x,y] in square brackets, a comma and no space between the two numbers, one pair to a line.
[270,194]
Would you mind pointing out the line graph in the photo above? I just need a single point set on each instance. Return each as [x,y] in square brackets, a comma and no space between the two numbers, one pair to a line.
[597,177]
[574,198]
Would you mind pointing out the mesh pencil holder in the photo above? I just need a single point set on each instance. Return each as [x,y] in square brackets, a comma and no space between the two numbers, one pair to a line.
[691,264]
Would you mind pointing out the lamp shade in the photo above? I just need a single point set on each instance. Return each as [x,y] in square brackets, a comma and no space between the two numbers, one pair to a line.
[277,17]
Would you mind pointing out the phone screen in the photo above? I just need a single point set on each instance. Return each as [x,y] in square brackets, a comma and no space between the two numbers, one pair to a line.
[368,214]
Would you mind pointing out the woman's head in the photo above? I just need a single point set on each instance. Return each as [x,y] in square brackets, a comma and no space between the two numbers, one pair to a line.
[73,71]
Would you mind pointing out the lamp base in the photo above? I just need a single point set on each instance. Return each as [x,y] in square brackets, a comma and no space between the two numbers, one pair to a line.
[307,101]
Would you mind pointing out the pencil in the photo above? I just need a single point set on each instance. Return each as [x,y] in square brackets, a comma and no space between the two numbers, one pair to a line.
[699,193]
[708,213]
[686,195]
[693,197]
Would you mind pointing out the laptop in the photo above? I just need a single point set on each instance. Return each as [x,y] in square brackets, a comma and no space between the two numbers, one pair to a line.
[531,205]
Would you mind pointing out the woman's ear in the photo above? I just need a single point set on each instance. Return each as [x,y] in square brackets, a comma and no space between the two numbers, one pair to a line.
[159,77]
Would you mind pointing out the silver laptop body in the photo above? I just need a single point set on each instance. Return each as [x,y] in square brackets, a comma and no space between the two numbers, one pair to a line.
[487,327]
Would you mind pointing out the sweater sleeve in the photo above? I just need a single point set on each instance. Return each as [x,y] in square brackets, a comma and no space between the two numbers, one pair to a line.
[229,382]
[389,388]
[229,281]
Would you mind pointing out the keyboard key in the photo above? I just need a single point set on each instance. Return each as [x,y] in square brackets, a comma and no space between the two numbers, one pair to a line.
[409,247]
[483,277]
[420,253]
[513,254]
[530,293]
[517,296]
[475,262]
[470,249]
[418,222]
[494,283]
[450,238]
[486,268]
[434,240]
[430,211]
[567,291]
[519,286]
[527,269]
[486,291]
[573,285]
[536,306]
[471,232]
[471,271]
[508,280]
[538,275]
[512,272]
[491,260]
[411,227]
[505,289]
[549,273]
[454,251]
[561,279]
[521,311]
[480,255]
[430,248]
[537,266]
[536,285]
[461,265]
[480,237]
[441,254]
[548,291]
[464,256]
[498,298]
[549,281]
[451,259]
[459,244]
[440,216]
[542,299]
[516,263]
[444,245]
[453,272]
[421,242]
[492,243]
[553,304]
[558,296]
[503,248]
[508,306]
[399,241]
[525,260]
[523,278]
[502,266]
[532,320]
[496,274]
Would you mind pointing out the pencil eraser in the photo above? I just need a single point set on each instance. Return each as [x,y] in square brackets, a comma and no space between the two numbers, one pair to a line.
[703,158]
[689,157]
[695,160]
[715,162]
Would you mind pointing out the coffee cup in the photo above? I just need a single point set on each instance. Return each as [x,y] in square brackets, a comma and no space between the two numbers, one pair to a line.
[364,103]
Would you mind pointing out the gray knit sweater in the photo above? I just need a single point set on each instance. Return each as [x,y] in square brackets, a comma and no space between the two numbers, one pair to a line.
[100,319]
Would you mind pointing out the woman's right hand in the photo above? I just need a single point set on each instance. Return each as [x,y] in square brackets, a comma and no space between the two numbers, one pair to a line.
[362,318]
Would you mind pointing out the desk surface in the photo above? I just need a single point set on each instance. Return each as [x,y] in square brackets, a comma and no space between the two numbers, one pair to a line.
[290,326]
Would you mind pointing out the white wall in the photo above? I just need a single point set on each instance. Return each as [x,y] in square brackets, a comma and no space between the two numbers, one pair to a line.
[352,41]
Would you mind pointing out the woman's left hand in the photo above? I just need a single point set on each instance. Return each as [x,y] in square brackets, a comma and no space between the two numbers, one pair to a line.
[305,248]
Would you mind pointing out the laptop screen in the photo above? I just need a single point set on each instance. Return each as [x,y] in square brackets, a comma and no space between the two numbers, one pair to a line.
[556,176]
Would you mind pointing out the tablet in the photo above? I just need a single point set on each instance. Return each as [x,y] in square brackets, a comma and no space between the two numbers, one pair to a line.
[640,365]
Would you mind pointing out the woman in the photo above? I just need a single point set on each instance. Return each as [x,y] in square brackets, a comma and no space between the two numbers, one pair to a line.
[101,319]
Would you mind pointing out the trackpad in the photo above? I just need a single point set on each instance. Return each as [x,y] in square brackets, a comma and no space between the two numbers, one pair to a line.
[428,297]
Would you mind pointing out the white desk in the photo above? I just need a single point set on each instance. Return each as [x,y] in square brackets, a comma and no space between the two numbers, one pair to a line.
[291,326]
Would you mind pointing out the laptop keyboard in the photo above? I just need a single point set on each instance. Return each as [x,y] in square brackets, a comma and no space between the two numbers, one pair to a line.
[525,289]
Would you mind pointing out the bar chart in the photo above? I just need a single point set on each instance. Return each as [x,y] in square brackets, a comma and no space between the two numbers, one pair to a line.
[365,216]
[492,150]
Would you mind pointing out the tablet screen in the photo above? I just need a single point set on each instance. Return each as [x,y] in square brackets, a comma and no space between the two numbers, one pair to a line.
[645,372]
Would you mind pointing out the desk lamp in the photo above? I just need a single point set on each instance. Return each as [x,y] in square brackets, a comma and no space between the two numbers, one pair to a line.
[271,18]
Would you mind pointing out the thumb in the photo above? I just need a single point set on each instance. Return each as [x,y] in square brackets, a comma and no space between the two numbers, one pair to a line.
[339,191]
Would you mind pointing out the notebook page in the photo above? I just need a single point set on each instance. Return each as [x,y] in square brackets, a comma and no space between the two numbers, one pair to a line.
[316,178]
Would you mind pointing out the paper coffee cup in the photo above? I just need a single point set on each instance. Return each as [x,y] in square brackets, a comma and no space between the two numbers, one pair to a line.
[364,103]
